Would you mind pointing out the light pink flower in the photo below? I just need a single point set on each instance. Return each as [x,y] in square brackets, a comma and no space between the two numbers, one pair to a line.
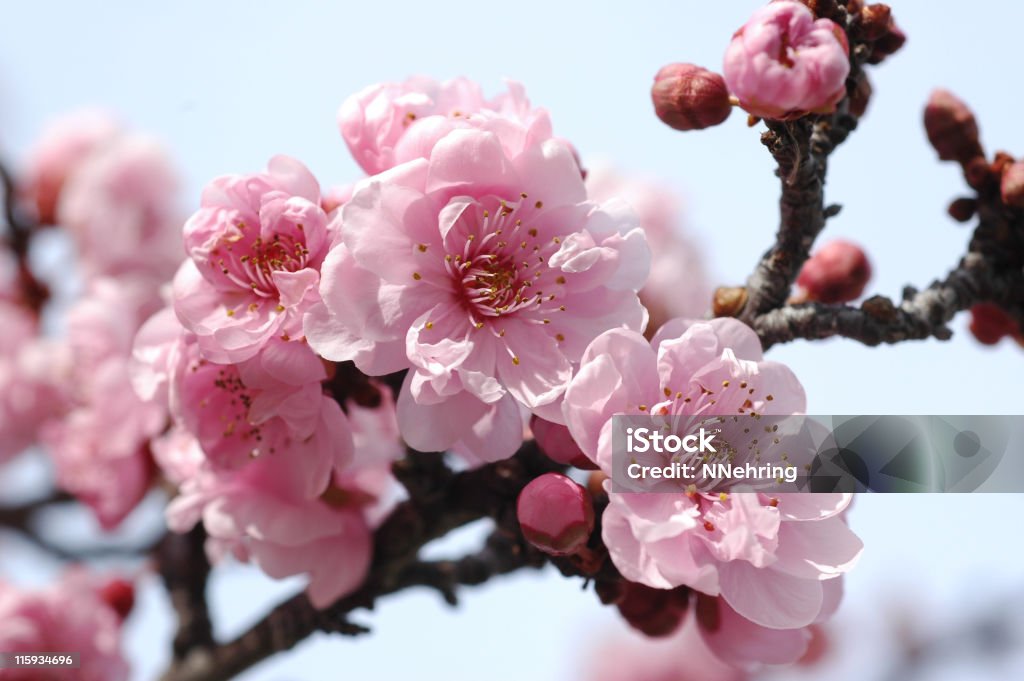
[783,63]
[775,561]
[678,285]
[69,616]
[121,207]
[61,148]
[486,272]
[255,248]
[388,124]
[263,513]
[100,444]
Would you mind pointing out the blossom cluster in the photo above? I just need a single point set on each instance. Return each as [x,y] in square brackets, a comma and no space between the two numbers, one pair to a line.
[485,288]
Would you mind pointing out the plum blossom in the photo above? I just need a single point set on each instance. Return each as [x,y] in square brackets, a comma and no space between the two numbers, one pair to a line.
[776,561]
[679,285]
[255,247]
[62,147]
[387,124]
[121,207]
[486,271]
[70,615]
[783,63]
[99,442]
[265,460]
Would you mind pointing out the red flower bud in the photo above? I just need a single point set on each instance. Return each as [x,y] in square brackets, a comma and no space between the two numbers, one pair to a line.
[688,97]
[887,45]
[837,273]
[556,514]
[990,323]
[963,209]
[951,127]
[557,444]
[655,612]
[1012,186]
[875,21]
[119,594]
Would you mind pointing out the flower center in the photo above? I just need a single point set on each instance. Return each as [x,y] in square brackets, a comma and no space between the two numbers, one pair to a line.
[250,264]
[502,267]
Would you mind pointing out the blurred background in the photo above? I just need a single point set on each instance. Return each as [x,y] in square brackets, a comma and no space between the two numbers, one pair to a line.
[227,85]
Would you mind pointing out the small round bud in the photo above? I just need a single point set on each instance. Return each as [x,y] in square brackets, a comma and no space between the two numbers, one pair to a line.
[837,273]
[875,21]
[557,444]
[689,97]
[556,514]
[951,127]
[728,301]
[655,612]
[977,173]
[888,45]
[861,96]
[119,594]
[963,209]
[990,323]
[1012,186]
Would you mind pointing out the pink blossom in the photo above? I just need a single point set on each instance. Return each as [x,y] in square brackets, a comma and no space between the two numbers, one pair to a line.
[62,147]
[774,561]
[121,207]
[388,124]
[265,459]
[679,285]
[255,248]
[69,616]
[263,513]
[486,273]
[783,63]
[100,443]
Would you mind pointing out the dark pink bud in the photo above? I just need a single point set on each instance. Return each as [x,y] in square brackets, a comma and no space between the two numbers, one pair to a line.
[689,97]
[655,612]
[990,323]
[557,444]
[963,209]
[837,273]
[951,127]
[556,514]
[1012,186]
[119,594]
[875,21]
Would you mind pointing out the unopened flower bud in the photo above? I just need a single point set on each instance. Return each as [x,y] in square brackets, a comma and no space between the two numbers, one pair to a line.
[861,96]
[655,612]
[888,45]
[837,273]
[1012,186]
[951,127]
[556,514]
[728,301]
[689,97]
[990,323]
[977,173]
[875,21]
[119,594]
[557,444]
[963,209]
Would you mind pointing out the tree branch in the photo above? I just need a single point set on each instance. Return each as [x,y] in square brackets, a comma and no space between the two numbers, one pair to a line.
[921,314]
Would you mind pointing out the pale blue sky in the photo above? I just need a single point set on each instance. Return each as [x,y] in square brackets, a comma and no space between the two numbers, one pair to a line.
[229,84]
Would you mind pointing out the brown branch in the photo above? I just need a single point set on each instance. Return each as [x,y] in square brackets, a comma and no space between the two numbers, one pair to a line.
[182,564]
[921,314]
[34,293]
[443,501]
